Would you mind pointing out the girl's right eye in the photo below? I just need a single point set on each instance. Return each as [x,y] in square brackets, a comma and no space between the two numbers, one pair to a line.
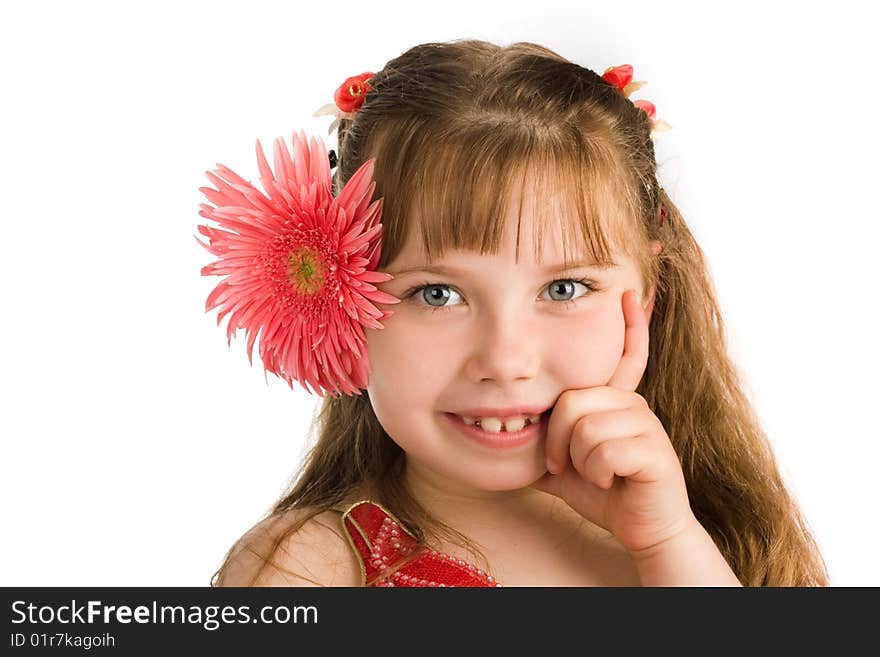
[437,293]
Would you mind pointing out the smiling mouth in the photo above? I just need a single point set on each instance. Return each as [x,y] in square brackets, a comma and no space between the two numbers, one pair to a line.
[494,437]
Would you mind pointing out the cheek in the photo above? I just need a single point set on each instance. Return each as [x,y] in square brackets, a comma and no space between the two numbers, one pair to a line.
[408,366]
[589,351]
[406,351]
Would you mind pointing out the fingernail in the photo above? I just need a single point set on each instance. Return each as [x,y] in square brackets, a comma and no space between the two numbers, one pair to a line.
[551,467]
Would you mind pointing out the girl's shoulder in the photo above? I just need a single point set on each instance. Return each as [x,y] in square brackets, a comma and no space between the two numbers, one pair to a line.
[293,549]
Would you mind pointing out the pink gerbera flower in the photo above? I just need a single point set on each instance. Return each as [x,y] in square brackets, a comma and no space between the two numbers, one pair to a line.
[299,265]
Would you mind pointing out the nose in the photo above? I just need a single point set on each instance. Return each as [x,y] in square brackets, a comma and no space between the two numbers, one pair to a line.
[505,347]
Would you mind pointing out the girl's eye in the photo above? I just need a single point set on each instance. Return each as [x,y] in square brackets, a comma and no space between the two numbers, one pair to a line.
[434,296]
[560,290]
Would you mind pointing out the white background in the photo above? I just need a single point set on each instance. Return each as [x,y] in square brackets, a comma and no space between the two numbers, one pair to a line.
[137,446]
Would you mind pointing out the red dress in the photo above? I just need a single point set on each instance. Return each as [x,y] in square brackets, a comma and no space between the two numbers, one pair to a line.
[390,556]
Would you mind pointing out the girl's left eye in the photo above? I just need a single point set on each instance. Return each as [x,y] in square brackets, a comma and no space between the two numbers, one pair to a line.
[440,292]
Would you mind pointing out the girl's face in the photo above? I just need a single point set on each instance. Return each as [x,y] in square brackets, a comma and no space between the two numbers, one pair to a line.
[489,332]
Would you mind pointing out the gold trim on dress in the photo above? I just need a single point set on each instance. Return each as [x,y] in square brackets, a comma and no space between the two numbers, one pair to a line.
[357,552]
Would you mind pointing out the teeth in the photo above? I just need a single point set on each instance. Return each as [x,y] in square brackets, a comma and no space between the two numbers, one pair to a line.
[494,424]
[490,424]
[515,424]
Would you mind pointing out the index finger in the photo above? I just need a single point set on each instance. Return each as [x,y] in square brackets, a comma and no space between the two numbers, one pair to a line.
[635,344]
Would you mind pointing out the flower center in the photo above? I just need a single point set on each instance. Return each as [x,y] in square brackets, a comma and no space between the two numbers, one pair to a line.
[305,270]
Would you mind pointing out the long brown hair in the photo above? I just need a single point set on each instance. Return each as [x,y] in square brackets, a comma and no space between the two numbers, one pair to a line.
[453,127]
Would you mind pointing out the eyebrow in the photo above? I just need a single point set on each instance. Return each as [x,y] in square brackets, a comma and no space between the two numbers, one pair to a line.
[551,269]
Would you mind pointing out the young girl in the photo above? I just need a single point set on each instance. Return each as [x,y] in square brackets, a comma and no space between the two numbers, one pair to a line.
[550,403]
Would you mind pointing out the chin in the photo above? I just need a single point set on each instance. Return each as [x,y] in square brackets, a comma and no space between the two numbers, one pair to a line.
[504,476]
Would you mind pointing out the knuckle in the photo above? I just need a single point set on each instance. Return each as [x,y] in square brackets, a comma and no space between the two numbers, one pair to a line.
[565,403]
[603,453]
[585,424]
[640,401]
[586,431]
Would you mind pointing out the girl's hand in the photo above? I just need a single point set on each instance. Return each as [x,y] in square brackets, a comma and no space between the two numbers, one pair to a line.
[609,456]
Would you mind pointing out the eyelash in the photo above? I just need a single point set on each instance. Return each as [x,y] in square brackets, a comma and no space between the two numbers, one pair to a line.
[411,292]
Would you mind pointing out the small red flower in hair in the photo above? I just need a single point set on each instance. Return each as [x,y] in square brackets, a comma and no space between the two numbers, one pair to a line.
[350,95]
[347,100]
[647,107]
[621,77]
[299,265]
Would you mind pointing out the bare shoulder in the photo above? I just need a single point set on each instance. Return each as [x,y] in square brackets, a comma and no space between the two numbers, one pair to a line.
[270,554]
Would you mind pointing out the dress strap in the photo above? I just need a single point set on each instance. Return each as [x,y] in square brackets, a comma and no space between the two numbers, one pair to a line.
[380,541]
[390,555]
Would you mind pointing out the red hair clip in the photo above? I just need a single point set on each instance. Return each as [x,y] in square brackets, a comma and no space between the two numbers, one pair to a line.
[621,77]
[347,99]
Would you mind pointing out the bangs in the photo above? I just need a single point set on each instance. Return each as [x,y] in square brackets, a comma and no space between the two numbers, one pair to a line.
[461,190]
